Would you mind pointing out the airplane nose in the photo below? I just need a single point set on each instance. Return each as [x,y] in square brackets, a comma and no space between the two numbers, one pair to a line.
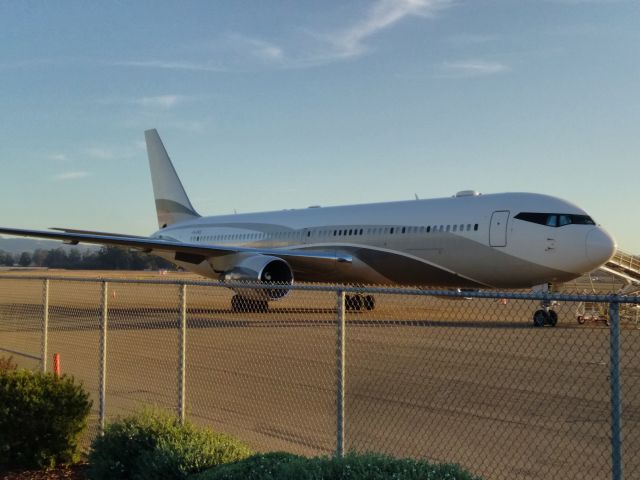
[600,246]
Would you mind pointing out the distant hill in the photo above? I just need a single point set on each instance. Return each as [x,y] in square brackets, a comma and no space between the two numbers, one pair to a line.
[19,245]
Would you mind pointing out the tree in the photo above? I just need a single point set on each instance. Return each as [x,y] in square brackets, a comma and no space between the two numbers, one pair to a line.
[56,259]
[25,259]
[39,257]
[75,259]
[6,259]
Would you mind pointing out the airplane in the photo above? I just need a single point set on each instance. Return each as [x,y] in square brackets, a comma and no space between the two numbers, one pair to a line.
[467,241]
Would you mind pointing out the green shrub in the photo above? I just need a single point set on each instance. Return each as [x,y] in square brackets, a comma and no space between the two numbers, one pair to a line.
[263,466]
[351,467]
[152,444]
[7,365]
[41,419]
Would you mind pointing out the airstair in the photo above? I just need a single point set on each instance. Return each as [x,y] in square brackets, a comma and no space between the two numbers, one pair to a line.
[627,267]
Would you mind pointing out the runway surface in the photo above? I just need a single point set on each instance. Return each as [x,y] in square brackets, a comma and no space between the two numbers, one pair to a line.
[467,381]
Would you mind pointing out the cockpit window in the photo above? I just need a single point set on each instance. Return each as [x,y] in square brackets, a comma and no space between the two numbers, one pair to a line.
[555,219]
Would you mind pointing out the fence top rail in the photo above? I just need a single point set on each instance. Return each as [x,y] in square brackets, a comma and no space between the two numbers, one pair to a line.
[453,293]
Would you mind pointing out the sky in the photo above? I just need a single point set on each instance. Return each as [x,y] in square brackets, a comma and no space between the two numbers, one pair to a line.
[268,105]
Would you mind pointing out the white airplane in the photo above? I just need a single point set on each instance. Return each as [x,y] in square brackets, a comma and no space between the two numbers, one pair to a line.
[468,241]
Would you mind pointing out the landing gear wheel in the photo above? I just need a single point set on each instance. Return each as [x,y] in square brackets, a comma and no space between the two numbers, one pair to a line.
[237,303]
[553,318]
[581,320]
[540,318]
[353,302]
[262,306]
[369,302]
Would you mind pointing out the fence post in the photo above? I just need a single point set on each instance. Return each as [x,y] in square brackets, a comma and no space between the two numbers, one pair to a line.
[45,326]
[616,402]
[340,373]
[103,355]
[182,347]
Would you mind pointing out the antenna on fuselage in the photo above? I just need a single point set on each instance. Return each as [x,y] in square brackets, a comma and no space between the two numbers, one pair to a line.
[416,195]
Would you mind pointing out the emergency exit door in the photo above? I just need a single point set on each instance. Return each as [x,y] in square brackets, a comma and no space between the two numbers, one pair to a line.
[498,228]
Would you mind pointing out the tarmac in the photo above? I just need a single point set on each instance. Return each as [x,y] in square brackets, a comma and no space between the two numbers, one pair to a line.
[469,382]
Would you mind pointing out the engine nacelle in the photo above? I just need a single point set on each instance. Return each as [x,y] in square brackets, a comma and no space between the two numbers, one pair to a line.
[261,268]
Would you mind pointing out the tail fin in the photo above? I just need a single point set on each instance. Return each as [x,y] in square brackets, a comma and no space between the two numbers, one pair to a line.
[172,203]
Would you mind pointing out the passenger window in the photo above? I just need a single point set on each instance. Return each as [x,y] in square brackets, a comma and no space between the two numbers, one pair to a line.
[448,227]
[455,228]
[392,231]
[475,227]
[404,229]
[429,229]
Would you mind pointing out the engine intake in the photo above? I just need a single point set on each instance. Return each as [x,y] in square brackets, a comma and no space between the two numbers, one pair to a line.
[261,268]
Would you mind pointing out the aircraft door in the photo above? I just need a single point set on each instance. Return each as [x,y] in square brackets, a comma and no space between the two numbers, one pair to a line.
[498,228]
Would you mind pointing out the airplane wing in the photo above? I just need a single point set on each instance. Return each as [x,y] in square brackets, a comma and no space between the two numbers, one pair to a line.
[186,252]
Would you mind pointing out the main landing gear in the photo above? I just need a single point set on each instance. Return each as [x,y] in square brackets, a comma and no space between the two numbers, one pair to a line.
[240,304]
[358,302]
[544,317]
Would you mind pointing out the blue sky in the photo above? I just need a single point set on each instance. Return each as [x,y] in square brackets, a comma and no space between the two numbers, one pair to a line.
[272,105]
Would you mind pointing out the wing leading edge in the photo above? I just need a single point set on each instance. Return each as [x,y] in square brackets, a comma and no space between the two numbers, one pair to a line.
[195,253]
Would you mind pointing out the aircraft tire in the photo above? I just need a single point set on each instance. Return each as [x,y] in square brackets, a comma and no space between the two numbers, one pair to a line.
[540,318]
[353,303]
[553,318]
[262,306]
[237,303]
[369,302]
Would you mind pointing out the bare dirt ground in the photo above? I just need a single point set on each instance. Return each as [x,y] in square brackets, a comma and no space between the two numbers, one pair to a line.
[467,381]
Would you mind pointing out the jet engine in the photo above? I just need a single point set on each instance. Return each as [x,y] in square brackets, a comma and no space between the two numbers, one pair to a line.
[261,268]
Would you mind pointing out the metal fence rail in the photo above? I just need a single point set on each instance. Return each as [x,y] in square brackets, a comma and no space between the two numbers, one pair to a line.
[449,376]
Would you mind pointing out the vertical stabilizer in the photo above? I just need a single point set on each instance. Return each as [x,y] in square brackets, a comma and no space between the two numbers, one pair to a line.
[172,203]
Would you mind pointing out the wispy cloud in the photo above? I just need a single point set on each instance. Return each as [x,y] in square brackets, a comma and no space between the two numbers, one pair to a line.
[204,66]
[260,49]
[66,176]
[100,153]
[466,39]
[473,68]
[58,157]
[161,101]
[351,41]
[235,51]
[32,63]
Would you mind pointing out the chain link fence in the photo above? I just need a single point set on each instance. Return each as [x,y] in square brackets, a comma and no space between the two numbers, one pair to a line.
[449,376]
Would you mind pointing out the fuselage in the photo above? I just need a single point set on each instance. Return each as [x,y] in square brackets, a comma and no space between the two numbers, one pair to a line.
[507,240]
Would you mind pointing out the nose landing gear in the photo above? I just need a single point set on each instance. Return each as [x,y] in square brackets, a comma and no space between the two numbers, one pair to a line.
[546,315]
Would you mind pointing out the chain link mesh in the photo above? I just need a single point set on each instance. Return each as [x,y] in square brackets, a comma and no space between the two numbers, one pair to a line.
[21,315]
[468,380]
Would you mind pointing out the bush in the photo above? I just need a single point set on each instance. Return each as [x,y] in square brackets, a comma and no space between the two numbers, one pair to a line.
[152,444]
[7,365]
[263,466]
[352,467]
[41,419]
